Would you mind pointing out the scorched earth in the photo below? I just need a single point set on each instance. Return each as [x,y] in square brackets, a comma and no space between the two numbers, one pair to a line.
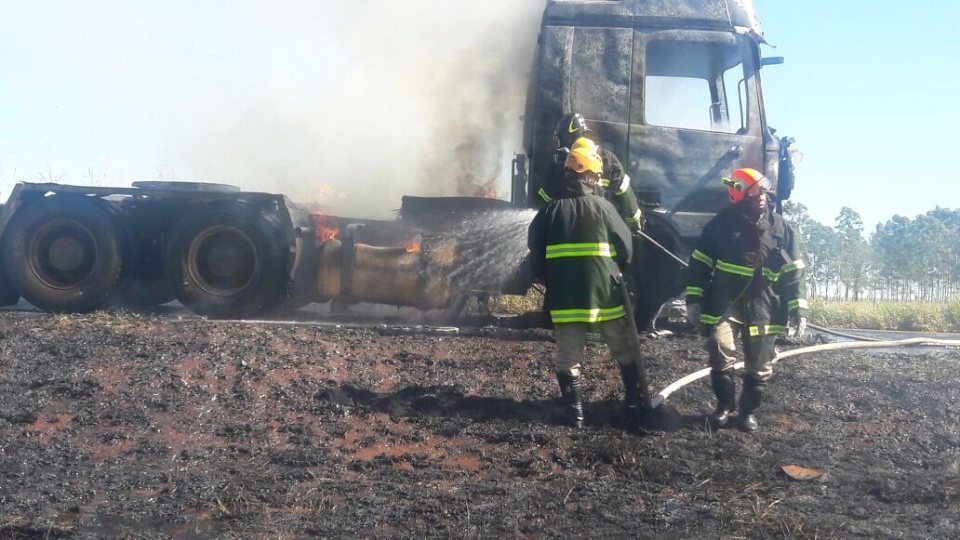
[146,427]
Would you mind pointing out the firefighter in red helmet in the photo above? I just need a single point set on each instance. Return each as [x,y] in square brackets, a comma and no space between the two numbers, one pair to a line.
[746,183]
[746,281]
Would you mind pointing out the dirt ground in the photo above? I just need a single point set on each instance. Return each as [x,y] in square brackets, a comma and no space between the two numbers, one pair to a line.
[142,427]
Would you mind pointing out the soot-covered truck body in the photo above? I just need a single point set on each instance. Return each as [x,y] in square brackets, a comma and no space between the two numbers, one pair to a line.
[672,87]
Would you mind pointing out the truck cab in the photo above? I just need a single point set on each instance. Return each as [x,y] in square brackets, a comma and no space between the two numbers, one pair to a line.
[674,89]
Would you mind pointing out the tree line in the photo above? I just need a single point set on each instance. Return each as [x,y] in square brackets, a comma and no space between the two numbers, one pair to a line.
[902,259]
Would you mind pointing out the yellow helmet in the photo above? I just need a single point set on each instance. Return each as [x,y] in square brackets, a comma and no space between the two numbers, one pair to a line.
[584,159]
[584,142]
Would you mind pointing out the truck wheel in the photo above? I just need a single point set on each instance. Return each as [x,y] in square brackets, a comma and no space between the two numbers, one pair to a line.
[658,276]
[8,293]
[141,294]
[62,254]
[225,263]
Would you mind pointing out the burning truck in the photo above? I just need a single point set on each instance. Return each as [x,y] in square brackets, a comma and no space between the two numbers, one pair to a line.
[673,87]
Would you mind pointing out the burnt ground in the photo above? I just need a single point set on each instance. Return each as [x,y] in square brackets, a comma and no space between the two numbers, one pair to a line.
[142,427]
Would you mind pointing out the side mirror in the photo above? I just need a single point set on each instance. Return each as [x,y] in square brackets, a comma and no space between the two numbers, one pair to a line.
[771,61]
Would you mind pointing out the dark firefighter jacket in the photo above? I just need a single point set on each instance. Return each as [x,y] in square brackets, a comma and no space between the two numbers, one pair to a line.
[757,263]
[578,245]
[614,186]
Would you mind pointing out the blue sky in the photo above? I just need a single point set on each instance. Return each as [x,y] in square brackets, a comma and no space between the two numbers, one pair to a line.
[330,100]
[869,90]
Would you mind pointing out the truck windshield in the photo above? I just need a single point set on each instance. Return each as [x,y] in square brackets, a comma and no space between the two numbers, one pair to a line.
[695,85]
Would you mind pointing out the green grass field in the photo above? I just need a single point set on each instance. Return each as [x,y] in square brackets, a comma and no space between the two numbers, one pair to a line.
[912,316]
[909,316]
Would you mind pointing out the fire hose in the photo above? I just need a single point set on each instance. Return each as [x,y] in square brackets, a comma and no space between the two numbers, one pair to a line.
[662,396]
[659,245]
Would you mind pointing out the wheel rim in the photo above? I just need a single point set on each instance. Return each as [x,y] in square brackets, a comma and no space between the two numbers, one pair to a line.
[222,261]
[62,254]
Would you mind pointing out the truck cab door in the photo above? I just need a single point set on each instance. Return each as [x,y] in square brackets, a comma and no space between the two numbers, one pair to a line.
[696,114]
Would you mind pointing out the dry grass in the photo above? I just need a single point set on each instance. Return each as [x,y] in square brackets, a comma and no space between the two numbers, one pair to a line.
[912,316]
[512,304]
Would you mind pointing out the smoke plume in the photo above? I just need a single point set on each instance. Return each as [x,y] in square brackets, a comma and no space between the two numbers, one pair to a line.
[346,104]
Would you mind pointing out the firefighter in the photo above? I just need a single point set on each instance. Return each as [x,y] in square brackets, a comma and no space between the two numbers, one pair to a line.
[746,280]
[572,132]
[578,247]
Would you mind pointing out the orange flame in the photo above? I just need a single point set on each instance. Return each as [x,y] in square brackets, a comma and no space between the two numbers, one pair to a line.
[413,247]
[488,189]
[327,233]
[325,230]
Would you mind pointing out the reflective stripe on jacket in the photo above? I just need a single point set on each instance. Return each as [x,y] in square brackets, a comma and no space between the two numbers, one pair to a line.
[756,263]
[578,244]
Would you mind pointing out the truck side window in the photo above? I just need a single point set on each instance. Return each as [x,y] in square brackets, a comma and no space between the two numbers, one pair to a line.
[695,85]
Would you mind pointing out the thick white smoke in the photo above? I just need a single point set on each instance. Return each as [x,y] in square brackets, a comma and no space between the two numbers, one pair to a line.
[350,104]
[437,89]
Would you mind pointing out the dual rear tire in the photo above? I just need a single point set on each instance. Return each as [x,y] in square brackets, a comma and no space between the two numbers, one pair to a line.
[226,262]
[62,254]
[67,254]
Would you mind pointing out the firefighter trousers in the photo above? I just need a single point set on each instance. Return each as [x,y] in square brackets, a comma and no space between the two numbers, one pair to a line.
[758,351]
[572,339]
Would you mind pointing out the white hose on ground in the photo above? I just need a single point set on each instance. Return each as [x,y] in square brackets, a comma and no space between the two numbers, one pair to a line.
[841,334]
[662,396]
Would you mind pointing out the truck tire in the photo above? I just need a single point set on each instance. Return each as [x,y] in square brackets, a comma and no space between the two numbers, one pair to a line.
[62,253]
[657,275]
[186,186]
[8,293]
[141,294]
[225,262]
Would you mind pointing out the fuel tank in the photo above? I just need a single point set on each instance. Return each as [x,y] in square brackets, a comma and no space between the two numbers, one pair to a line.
[400,276]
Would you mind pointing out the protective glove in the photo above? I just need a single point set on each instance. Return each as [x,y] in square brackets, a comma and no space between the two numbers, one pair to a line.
[693,313]
[799,326]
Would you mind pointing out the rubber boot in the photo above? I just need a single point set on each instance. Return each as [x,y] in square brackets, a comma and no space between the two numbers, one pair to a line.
[573,395]
[631,394]
[753,390]
[725,388]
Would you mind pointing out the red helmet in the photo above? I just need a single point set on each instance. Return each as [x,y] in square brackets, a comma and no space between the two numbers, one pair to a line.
[746,182]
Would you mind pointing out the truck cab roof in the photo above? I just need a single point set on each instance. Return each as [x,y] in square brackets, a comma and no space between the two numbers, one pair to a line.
[692,14]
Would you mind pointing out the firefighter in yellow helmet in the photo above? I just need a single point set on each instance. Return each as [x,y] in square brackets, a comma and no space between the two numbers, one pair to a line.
[571,132]
[746,281]
[578,247]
